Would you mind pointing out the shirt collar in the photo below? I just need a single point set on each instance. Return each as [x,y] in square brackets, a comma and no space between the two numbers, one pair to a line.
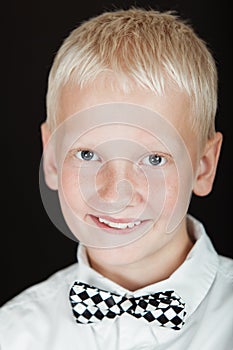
[192,280]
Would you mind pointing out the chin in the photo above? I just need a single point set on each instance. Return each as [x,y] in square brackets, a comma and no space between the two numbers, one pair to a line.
[141,250]
[114,257]
[121,256]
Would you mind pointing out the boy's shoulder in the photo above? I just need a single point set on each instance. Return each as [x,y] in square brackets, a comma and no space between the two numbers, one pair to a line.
[222,285]
[41,293]
[29,320]
[225,269]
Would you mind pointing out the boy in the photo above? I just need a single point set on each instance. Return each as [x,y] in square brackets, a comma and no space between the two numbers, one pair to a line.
[129,137]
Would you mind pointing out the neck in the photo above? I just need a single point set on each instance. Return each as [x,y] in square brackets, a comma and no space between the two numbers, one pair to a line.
[153,268]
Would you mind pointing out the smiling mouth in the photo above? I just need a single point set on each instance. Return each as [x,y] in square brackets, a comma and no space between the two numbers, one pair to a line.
[120,225]
[116,224]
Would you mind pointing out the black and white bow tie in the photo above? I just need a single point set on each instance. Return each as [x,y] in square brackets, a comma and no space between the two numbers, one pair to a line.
[91,305]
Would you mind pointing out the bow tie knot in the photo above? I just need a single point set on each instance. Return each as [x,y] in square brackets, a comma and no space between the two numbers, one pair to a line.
[91,305]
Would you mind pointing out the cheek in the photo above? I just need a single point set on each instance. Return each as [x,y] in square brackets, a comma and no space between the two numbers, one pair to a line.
[171,193]
[178,194]
[164,190]
[166,205]
[69,187]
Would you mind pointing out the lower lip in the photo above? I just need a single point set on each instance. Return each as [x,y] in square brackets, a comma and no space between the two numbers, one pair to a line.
[113,229]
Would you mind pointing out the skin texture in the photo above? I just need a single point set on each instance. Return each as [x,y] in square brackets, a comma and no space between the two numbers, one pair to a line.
[157,254]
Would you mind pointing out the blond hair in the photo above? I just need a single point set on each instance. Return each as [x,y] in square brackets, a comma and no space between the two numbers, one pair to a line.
[144,46]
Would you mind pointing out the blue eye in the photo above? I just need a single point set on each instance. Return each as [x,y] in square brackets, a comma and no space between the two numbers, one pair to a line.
[86,155]
[154,160]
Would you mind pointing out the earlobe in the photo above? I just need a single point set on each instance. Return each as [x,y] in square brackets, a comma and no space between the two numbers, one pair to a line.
[207,166]
[49,160]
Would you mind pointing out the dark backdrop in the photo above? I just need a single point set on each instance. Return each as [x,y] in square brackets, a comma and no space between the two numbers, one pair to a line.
[31,247]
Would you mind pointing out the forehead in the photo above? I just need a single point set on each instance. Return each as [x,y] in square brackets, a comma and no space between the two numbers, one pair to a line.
[122,139]
[173,106]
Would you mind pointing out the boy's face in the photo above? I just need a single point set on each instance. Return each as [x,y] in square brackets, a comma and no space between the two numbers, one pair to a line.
[160,170]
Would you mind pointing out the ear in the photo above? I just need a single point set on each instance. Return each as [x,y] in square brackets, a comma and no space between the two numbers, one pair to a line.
[49,159]
[207,166]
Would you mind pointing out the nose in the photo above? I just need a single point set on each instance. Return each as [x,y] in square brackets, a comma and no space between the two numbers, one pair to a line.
[121,178]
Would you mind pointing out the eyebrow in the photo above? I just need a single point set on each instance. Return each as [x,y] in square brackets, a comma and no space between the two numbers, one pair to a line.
[150,147]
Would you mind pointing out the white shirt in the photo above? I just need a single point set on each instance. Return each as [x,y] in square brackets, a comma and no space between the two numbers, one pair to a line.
[41,318]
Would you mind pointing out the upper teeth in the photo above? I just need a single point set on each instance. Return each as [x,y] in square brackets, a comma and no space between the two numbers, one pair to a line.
[120,224]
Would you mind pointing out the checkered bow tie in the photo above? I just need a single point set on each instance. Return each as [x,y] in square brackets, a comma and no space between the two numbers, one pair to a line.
[91,305]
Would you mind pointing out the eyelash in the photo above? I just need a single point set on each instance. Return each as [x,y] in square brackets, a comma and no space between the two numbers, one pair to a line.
[157,155]
[85,150]
[163,158]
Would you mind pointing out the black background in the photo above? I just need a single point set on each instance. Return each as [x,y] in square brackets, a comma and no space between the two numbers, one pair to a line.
[31,247]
